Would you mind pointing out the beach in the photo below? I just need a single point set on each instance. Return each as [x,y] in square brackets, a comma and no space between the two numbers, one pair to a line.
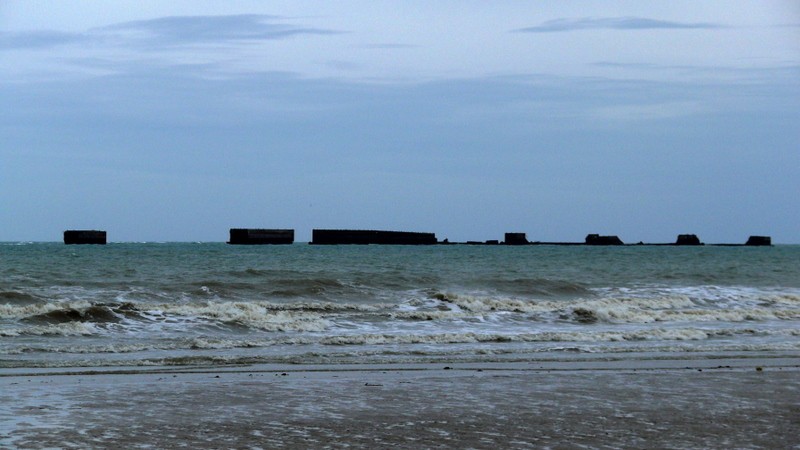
[675,403]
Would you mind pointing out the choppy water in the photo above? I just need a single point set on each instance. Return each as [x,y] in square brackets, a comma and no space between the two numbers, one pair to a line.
[183,303]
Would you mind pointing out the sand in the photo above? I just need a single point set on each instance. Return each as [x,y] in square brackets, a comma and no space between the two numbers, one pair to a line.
[655,404]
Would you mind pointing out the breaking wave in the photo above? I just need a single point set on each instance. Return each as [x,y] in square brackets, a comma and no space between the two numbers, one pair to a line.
[263,316]
[60,329]
[429,306]
[17,297]
[667,308]
[656,339]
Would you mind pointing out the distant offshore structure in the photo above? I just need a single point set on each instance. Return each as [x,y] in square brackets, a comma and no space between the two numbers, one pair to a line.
[682,240]
[688,239]
[759,240]
[260,236]
[275,236]
[85,237]
[364,237]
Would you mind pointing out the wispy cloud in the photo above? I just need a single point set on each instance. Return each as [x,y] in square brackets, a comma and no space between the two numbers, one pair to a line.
[37,39]
[203,29]
[176,30]
[389,46]
[648,111]
[613,23]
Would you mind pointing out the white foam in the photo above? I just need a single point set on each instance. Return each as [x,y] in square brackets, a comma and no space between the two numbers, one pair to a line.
[9,311]
[648,334]
[253,315]
[668,306]
[61,329]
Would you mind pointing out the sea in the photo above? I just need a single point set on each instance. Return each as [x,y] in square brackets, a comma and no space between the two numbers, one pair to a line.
[212,304]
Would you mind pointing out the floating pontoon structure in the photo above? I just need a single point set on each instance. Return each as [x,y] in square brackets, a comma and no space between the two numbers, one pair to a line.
[752,241]
[260,236]
[515,239]
[362,237]
[85,237]
[688,239]
[759,241]
[596,239]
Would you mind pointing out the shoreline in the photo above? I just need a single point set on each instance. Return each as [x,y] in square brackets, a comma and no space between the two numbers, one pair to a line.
[514,362]
[608,362]
[714,403]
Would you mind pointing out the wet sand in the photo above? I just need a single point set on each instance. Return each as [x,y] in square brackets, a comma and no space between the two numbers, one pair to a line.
[663,404]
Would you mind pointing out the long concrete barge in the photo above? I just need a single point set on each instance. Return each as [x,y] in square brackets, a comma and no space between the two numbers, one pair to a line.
[260,236]
[97,237]
[364,237]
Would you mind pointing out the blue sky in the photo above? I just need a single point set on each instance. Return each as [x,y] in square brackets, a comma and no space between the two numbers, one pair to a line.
[174,121]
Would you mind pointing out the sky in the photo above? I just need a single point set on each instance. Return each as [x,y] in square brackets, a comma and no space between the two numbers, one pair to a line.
[175,121]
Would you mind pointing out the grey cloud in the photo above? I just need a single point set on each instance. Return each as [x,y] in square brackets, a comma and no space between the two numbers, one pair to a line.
[613,23]
[787,72]
[168,31]
[203,29]
[37,39]
[619,64]
[389,46]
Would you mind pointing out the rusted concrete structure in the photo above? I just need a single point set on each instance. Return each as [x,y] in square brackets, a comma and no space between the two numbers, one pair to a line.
[85,237]
[515,239]
[688,239]
[596,239]
[363,237]
[260,236]
[759,241]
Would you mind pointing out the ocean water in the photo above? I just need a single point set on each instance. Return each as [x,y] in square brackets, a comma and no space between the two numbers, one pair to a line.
[152,304]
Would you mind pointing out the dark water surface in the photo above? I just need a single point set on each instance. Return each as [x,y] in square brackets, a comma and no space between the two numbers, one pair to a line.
[211,303]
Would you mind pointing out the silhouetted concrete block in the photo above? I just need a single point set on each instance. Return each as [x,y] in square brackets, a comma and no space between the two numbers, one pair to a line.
[688,239]
[596,239]
[260,236]
[515,239]
[85,237]
[759,240]
[363,237]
